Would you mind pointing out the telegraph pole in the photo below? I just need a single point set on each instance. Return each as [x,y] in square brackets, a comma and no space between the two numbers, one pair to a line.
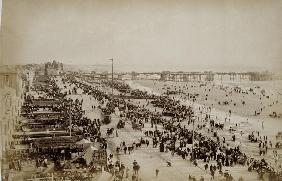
[112,76]
[70,118]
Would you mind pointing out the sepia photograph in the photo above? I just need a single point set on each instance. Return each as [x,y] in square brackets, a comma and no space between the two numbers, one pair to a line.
[141,90]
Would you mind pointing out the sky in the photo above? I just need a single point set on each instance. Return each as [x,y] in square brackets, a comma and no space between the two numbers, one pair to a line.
[145,35]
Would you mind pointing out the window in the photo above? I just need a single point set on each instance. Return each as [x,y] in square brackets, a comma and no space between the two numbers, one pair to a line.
[6,80]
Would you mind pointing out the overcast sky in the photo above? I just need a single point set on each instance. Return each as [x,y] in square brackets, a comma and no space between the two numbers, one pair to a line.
[145,35]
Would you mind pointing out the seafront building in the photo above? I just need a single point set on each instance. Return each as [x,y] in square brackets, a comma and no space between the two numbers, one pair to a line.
[11,89]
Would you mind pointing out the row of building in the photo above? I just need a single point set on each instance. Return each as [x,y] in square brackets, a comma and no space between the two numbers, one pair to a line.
[11,94]
[188,76]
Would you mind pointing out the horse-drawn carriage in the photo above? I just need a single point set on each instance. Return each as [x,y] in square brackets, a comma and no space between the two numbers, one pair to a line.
[107,119]
[242,159]
[275,115]
[110,131]
[278,145]
[158,103]
[136,126]
[168,113]
[279,136]
[121,124]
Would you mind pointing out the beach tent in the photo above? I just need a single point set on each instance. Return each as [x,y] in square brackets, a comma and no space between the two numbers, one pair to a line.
[83,141]
[86,143]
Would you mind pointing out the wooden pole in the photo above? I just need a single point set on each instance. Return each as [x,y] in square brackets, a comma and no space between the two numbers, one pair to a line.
[70,118]
[112,77]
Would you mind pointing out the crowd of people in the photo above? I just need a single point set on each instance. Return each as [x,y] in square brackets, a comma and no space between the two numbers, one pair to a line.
[50,115]
[176,138]
[174,127]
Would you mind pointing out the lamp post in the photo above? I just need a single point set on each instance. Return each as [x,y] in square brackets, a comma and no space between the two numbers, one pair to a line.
[193,121]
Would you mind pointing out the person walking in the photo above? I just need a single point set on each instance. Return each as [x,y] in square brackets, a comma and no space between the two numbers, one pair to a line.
[157,172]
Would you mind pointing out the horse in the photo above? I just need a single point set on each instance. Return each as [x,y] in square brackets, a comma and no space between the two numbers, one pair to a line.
[120,124]
[168,164]
[138,145]
[117,150]
[136,168]
[110,131]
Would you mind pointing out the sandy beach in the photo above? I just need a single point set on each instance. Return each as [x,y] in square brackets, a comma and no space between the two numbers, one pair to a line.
[242,118]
